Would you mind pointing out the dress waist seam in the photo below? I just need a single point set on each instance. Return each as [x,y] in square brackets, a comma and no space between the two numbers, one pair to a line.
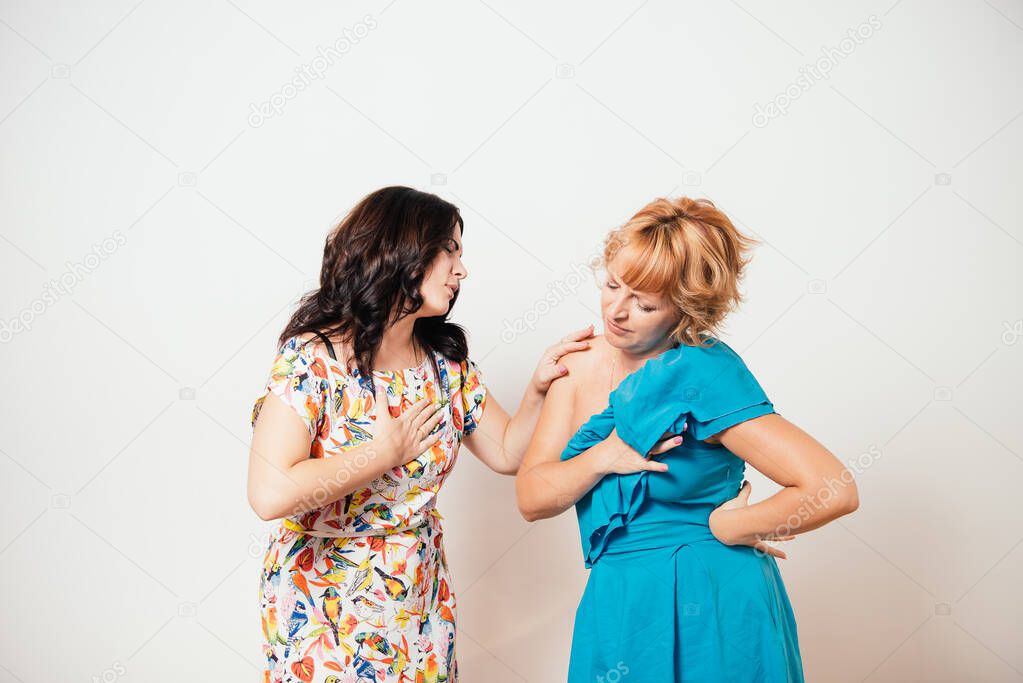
[294,526]
[655,537]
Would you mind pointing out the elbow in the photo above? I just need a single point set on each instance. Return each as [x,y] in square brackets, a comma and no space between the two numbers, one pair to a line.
[507,467]
[534,511]
[264,506]
[510,462]
[851,501]
[845,500]
[265,512]
[531,516]
[536,501]
[527,508]
[528,514]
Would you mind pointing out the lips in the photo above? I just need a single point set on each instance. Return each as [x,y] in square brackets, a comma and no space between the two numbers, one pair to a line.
[616,328]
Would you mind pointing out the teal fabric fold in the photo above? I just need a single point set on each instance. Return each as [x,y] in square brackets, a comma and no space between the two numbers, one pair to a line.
[710,388]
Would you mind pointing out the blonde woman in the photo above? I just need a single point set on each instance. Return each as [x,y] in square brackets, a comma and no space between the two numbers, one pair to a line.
[682,583]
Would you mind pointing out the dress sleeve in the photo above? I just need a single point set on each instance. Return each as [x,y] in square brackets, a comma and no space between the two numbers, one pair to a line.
[727,394]
[474,396]
[299,379]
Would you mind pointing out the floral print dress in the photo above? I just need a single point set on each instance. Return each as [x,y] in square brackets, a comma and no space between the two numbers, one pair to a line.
[358,590]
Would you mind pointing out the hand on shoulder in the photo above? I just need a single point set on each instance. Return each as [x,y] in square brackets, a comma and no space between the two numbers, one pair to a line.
[554,363]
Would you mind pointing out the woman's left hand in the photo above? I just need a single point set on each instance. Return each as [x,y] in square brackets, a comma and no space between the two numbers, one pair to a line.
[719,527]
[549,369]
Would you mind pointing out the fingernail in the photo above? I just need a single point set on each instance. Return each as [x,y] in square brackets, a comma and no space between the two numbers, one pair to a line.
[678,439]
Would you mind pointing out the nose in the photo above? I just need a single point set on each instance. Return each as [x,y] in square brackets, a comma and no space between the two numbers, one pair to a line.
[459,269]
[618,309]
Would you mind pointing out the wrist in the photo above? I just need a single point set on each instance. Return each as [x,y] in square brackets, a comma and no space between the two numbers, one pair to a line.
[383,455]
[599,460]
[535,392]
[722,523]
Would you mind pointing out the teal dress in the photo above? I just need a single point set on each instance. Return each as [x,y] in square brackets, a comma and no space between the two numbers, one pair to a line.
[665,600]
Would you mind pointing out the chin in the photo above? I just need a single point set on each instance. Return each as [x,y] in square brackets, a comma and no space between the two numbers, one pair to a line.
[613,340]
[431,309]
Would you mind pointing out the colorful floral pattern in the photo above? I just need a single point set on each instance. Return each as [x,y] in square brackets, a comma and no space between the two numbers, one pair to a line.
[358,591]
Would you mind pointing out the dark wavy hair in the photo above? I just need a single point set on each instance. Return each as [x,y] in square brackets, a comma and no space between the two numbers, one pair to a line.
[374,262]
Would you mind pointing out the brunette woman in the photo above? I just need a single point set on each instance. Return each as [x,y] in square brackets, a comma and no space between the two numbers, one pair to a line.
[369,398]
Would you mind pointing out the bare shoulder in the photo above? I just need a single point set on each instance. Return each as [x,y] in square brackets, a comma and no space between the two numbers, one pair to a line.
[583,365]
[567,392]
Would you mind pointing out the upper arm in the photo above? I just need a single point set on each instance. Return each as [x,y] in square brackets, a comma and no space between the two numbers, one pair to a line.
[286,421]
[785,453]
[280,439]
[554,426]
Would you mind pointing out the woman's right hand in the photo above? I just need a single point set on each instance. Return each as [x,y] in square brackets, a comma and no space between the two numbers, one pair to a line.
[405,437]
[719,526]
[620,458]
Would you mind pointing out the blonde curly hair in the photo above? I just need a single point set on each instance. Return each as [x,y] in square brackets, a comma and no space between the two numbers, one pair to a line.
[689,250]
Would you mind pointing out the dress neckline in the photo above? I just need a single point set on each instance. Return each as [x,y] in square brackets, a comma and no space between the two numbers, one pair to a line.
[427,358]
[421,366]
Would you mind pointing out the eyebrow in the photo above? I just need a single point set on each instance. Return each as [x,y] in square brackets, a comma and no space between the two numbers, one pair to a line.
[634,294]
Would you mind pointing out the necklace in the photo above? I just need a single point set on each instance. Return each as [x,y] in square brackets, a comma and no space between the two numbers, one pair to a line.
[611,384]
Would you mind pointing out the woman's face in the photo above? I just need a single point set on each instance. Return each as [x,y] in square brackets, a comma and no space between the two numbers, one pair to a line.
[635,321]
[444,277]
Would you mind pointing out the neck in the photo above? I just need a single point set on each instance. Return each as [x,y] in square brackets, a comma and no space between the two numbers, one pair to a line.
[398,344]
[629,360]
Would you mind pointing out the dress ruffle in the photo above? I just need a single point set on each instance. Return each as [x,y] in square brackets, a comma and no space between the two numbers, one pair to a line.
[709,387]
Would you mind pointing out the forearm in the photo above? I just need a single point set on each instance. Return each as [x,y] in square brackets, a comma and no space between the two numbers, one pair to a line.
[792,510]
[549,488]
[315,482]
[520,428]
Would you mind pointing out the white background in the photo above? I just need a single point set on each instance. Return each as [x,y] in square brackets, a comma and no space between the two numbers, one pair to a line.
[883,310]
